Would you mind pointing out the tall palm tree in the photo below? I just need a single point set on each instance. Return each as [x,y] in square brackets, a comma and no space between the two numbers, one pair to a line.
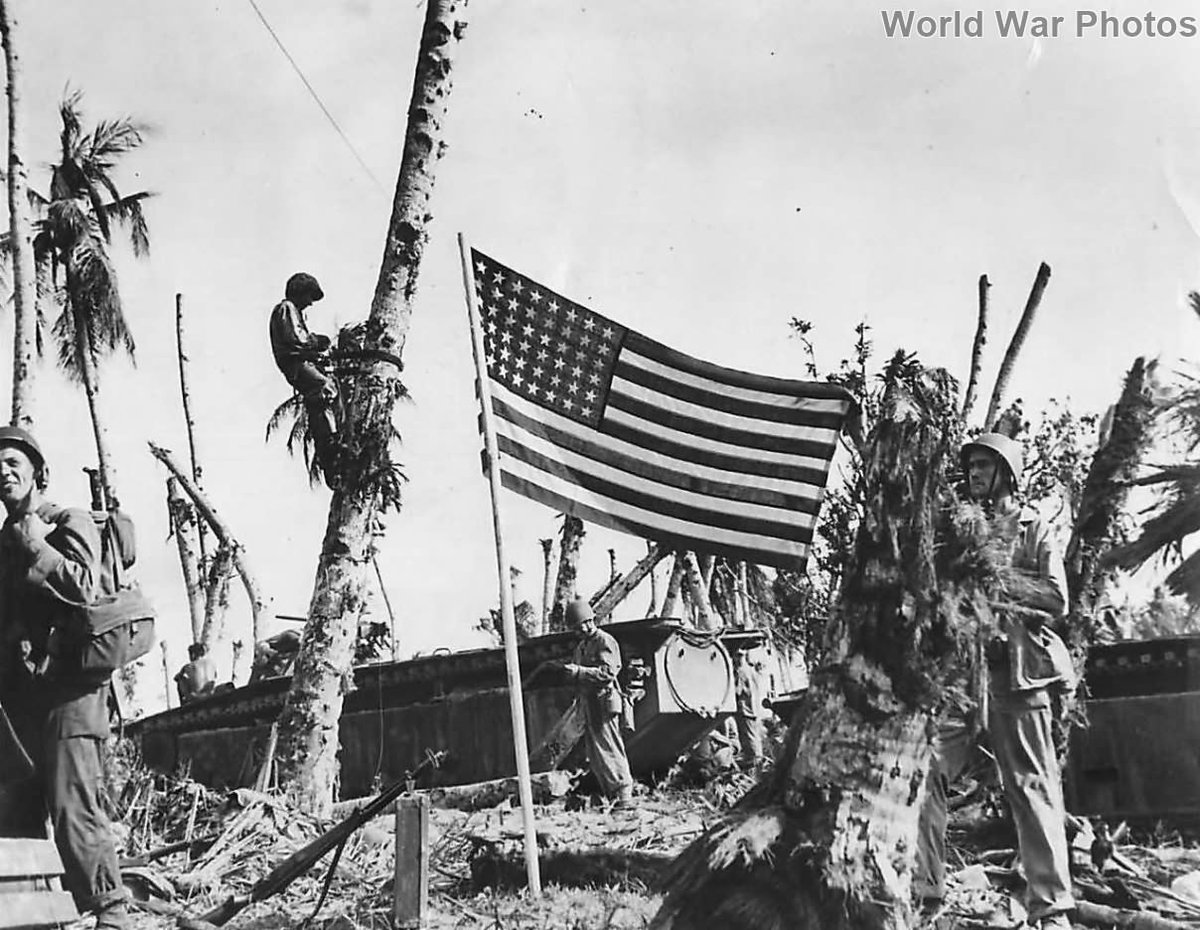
[71,245]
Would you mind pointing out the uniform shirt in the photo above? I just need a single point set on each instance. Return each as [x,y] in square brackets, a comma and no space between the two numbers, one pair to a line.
[1037,656]
[43,583]
[291,341]
[594,669]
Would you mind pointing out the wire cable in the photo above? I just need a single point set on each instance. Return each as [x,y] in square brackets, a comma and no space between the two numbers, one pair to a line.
[313,93]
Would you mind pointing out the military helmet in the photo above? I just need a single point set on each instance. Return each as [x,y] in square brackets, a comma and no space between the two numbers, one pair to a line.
[1007,448]
[15,436]
[578,611]
[302,285]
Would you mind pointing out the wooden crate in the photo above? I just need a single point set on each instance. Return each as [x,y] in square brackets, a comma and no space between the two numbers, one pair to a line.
[31,892]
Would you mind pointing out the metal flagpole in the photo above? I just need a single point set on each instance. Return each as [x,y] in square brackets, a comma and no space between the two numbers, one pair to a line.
[516,699]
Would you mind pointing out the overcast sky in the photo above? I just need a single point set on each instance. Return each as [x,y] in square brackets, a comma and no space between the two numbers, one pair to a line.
[699,171]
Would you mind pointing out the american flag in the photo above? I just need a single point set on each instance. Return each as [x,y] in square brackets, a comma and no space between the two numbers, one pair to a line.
[596,420]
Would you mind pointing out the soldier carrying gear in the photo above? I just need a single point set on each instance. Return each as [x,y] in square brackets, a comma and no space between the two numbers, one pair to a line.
[50,568]
[1028,668]
[594,669]
[302,357]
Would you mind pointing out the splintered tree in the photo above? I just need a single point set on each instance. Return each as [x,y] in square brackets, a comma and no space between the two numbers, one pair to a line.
[827,840]
[368,480]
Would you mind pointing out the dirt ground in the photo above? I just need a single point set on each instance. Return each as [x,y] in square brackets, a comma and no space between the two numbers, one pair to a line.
[475,862]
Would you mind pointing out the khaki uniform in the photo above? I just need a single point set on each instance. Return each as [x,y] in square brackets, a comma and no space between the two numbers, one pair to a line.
[594,669]
[60,717]
[1027,665]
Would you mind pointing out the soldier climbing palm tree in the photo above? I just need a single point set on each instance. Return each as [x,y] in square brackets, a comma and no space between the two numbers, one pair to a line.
[74,232]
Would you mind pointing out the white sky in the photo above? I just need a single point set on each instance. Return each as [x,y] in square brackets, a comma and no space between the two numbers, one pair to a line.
[699,171]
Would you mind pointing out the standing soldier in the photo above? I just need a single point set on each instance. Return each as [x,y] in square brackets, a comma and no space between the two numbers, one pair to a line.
[49,569]
[594,670]
[301,356]
[1028,667]
[747,695]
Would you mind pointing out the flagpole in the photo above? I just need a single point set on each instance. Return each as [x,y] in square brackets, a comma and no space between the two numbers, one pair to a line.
[511,662]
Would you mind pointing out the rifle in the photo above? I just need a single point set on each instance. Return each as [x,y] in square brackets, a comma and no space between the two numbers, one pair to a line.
[304,859]
[15,764]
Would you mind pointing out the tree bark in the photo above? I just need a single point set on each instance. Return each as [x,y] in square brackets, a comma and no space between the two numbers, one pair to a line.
[674,585]
[185,393]
[216,597]
[258,601]
[183,525]
[651,611]
[977,349]
[707,618]
[20,230]
[308,725]
[547,585]
[827,840]
[1016,344]
[91,387]
[566,586]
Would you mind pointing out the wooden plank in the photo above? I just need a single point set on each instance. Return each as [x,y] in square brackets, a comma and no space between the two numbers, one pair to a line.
[22,857]
[36,909]
[411,886]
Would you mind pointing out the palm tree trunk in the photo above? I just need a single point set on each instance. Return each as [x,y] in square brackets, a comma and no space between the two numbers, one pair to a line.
[308,725]
[1016,344]
[1105,492]
[189,420]
[827,840]
[20,230]
[183,525]
[547,588]
[566,587]
[259,603]
[91,387]
[977,349]
[216,597]
[707,618]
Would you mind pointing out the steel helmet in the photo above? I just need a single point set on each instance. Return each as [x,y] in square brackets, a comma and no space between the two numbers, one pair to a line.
[301,285]
[15,436]
[578,611]
[1007,448]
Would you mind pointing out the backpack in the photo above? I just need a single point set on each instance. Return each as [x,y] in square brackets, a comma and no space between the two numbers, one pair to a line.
[118,625]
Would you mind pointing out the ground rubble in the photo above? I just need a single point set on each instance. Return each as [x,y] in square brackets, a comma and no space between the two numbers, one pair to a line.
[186,849]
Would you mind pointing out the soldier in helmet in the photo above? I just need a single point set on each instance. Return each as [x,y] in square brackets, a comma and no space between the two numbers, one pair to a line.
[594,669]
[1029,668]
[50,568]
[302,357]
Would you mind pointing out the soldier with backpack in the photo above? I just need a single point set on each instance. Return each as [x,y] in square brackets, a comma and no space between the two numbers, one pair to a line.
[50,571]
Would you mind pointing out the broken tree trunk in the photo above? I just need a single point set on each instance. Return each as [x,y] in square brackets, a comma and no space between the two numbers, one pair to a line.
[827,840]
[368,479]
[258,602]
[1016,344]
[24,276]
[566,585]
[707,619]
[547,589]
[216,596]
[189,421]
[674,586]
[183,524]
[620,588]
[977,349]
[1105,493]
